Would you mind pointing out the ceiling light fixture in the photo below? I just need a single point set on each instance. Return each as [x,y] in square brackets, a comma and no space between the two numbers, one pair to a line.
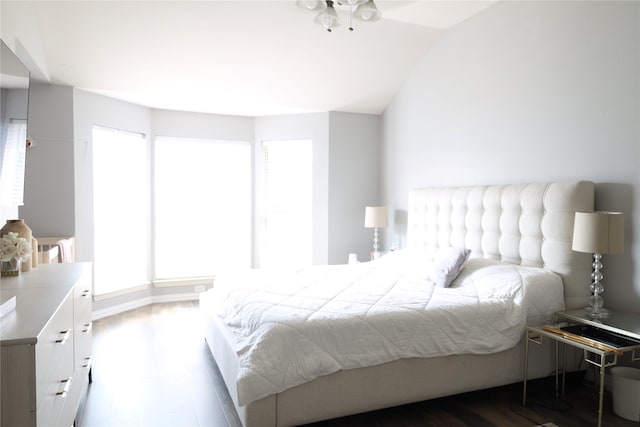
[365,10]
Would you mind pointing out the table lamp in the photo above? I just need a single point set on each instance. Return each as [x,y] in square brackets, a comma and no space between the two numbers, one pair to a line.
[598,233]
[375,217]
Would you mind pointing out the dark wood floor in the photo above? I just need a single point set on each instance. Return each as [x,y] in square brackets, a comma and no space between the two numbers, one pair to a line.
[152,368]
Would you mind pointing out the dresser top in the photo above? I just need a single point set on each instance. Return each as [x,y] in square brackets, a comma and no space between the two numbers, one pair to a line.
[39,293]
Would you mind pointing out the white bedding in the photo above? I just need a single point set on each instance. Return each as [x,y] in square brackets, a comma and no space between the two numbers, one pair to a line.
[293,327]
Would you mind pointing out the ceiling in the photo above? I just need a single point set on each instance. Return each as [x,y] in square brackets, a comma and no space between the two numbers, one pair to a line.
[238,57]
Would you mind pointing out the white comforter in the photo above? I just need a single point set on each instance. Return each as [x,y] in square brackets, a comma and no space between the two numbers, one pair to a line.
[293,327]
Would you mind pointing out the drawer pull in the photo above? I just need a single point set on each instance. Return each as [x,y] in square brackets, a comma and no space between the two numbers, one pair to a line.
[87,362]
[86,293]
[65,390]
[65,337]
[87,327]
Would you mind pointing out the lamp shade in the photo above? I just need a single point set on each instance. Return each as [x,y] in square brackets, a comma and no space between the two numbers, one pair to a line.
[375,217]
[598,232]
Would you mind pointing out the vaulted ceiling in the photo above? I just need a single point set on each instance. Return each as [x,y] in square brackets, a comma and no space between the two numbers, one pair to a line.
[249,58]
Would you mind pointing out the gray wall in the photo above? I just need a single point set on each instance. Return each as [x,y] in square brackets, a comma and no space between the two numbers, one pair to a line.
[353,183]
[527,92]
[49,177]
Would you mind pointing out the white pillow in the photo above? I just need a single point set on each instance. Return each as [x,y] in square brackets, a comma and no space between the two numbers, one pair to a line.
[447,264]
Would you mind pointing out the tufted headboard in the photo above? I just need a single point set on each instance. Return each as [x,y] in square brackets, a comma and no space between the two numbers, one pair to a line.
[527,224]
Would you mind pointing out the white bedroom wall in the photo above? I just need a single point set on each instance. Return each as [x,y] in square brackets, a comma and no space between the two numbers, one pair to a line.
[49,170]
[527,92]
[198,125]
[353,183]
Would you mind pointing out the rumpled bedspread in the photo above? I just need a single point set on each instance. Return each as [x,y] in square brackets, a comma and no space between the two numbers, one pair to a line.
[292,327]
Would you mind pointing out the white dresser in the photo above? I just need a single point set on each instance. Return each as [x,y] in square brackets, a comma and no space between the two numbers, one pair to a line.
[45,345]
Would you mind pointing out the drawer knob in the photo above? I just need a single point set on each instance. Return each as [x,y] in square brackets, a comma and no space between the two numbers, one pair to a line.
[65,390]
[64,338]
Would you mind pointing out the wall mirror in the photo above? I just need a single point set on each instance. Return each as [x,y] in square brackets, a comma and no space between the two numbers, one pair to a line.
[14,103]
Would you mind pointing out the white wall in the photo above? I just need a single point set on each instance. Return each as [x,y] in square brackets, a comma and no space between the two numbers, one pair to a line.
[527,92]
[197,125]
[20,31]
[49,175]
[353,183]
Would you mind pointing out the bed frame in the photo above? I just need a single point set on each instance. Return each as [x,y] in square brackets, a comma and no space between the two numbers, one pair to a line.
[526,224]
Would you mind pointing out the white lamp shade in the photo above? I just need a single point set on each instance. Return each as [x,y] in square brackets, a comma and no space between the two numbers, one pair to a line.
[598,232]
[375,217]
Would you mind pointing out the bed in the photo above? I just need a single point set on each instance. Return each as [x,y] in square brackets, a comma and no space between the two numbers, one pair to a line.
[516,236]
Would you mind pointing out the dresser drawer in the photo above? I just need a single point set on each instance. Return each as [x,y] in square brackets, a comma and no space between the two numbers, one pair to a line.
[55,395]
[18,376]
[54,350]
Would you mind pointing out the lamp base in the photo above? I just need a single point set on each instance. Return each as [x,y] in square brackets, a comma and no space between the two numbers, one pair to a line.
[597,313]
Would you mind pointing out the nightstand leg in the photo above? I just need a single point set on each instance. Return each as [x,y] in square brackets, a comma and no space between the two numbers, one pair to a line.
[526,369]
[564,366]
[601,399]
[557,386]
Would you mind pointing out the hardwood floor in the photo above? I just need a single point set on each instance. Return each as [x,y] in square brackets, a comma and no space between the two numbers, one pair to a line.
[152,368]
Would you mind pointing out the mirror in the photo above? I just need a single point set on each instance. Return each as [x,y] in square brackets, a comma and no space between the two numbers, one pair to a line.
[14,103]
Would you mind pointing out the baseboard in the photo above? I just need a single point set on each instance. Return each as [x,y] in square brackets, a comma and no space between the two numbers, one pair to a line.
[141,302]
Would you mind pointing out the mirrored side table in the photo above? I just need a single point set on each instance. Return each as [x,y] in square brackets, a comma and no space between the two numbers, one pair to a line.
[601,340]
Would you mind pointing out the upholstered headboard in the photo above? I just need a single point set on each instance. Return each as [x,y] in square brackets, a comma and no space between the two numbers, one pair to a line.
[527,224]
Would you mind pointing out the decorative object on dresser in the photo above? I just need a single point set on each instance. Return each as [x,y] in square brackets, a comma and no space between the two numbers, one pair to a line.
[22,229]
[13,251]
[45,345]
[375,217]
[598,233]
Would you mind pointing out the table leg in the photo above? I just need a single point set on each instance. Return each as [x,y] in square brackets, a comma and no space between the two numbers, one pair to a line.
[564,366]
[601,398]
[526,369]
[557,387]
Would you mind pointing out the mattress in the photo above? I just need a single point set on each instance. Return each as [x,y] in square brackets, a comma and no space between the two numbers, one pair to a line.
[289,328]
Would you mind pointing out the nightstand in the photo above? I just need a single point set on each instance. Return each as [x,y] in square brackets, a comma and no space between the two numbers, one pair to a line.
[602,341]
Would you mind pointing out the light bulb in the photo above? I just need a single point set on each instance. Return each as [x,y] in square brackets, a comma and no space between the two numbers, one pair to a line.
[368,12]
[328,18]
[311,4]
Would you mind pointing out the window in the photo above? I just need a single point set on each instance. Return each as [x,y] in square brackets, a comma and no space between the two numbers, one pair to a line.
[286,226]
[12,162]
[120,210]
[202,208]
